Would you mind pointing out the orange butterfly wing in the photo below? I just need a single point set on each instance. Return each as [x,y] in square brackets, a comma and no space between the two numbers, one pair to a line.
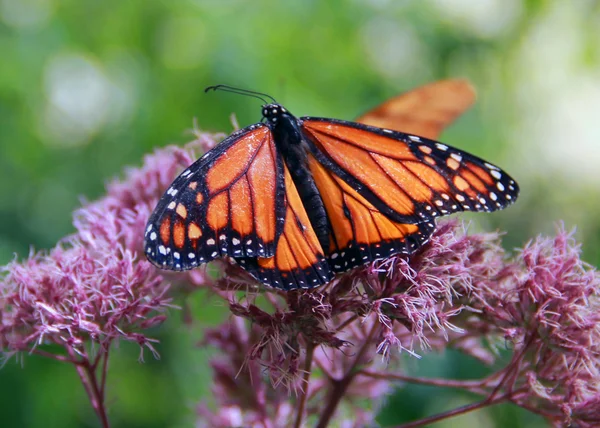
[360,232]
[409,179]
[299,260]
[424,111]
[229,202]
[239,201]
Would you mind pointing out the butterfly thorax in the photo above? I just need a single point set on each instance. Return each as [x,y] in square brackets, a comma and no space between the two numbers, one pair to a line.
[291,143]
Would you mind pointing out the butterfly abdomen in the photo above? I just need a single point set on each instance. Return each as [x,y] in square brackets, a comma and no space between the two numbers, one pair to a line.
[313,203]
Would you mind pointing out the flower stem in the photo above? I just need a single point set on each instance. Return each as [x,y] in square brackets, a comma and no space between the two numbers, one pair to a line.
[98,398]
[475,386]
[341,385]
[57,357]
[511,370]
[310,347]
[345,323]
[88,378]
[104,374]
[339,388]
[454,412]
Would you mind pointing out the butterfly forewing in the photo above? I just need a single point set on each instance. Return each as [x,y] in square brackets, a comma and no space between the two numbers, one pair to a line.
[471,184]
[409,178]
[229,202]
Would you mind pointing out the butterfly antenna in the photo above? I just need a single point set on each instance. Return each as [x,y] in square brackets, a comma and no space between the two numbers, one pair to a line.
[226,88]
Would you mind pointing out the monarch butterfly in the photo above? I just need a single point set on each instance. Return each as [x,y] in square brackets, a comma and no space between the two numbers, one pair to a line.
[296,200]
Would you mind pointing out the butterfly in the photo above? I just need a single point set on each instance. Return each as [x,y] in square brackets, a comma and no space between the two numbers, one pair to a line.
[294,201]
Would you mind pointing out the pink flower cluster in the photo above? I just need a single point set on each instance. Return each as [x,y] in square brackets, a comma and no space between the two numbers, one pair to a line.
[96,286]
[459,291]
[306,357]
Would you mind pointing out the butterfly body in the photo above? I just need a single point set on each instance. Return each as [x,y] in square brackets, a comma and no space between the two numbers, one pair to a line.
[296,200]
[294,147]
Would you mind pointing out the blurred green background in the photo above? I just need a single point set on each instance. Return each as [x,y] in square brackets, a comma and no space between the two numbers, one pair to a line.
[87,87]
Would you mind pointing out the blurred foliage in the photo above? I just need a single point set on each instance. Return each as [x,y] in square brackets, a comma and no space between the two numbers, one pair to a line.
[88,87]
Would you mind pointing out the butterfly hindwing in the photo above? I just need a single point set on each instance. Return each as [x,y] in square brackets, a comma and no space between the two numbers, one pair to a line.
[410,179]
[229,202]
[360,233]
[299,260]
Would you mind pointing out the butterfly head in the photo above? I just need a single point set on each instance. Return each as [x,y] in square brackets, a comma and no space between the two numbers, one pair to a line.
[274,112]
